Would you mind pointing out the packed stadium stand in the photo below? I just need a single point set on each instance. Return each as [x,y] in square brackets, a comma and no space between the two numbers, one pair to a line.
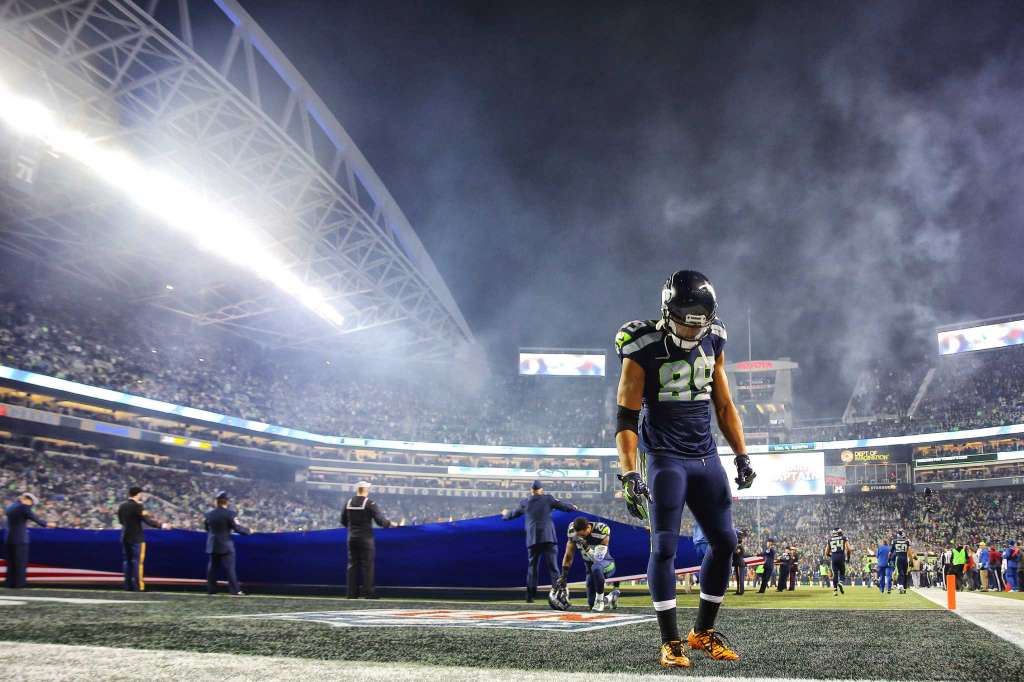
[105,345]
[133,349]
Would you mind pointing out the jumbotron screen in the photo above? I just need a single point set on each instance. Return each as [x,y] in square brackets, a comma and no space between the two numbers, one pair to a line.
[789,473]
[561,364]
[983,337]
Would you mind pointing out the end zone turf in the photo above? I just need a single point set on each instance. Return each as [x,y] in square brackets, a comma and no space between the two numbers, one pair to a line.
[791,643]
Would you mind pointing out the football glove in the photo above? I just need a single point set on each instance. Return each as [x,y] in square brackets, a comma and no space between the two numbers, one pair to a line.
[636,494]
[744,473]
[561,580]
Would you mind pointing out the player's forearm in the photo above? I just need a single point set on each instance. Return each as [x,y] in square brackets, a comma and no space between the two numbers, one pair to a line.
[732,428]
[626,443]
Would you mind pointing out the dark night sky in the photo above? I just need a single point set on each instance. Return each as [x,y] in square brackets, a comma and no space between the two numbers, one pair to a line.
[851,172]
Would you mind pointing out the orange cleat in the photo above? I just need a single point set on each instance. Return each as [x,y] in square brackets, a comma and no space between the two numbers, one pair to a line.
[714,643]
[672,655]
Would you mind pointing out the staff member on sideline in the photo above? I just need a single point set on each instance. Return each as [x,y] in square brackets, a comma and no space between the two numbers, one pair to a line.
[540,534]
[16,543]
[738,562]
[769,565]
[132,515]
[358,516]
[219,523]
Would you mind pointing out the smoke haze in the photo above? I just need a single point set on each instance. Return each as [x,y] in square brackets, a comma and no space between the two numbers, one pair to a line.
[848,172]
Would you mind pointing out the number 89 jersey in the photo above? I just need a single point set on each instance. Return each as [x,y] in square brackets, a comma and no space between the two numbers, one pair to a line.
[675,418]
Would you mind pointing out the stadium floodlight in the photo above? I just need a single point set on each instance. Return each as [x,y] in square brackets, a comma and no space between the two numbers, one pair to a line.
[187,210]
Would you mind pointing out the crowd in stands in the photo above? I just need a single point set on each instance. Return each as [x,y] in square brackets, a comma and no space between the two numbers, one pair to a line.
[83,491]
[885,392]
[141,351]
[138,352]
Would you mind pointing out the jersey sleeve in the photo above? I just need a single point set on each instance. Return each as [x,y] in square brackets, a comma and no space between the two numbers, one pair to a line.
[718,335]
[633,337]
[601,531]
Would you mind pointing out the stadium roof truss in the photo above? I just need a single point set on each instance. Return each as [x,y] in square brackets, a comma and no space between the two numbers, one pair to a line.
[222,105]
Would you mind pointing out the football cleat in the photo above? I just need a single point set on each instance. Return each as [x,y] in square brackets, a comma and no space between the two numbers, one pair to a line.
[835,592]
[599,604]
[672,656]
[613,599]
[713,643]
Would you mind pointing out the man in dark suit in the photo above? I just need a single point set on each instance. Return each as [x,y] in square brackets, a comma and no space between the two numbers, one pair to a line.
[358,516]
[219,523]
[739,563]
[16,543]
[540,534]
[769,565]
[131,514]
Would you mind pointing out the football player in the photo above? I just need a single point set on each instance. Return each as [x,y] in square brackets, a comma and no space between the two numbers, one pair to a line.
[667,454]
[590,539]
[901,548]
[837,551]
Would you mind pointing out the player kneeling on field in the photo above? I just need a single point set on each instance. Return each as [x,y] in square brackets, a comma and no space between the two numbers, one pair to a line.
[590,539]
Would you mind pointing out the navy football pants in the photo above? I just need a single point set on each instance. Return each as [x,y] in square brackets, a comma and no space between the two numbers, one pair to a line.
[702,485]
[902,572]
[597,573]
[838,571]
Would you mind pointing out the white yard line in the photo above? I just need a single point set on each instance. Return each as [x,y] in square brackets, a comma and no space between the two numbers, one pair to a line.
[1004,618]
[66,663]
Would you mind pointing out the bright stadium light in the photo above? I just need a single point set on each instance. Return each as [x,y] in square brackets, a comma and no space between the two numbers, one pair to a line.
[181,207]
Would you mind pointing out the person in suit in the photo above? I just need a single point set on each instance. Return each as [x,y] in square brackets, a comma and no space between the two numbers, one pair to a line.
[739,563]
[769,565]
[132,515]
[540,534]
[220,522]
[19,513]
[358,516]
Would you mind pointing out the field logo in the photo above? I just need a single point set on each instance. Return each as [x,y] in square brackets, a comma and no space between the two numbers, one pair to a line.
[508,620]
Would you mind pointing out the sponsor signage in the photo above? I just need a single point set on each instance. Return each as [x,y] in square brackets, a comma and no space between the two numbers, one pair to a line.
[504,472]
[955,459]
[560,621]
[782,474]
[110,396]
[864,456]
[876,487]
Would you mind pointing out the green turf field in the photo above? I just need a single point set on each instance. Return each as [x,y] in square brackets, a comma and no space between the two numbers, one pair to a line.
[817,636]
[800,598]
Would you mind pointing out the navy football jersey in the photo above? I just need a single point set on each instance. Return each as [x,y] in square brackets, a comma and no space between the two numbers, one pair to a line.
[675,418]
[900,545]
[837,545]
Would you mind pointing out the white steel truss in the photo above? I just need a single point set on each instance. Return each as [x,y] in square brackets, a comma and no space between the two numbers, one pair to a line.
[235,116]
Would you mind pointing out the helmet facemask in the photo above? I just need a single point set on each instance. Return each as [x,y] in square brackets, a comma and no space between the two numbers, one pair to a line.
[688,308]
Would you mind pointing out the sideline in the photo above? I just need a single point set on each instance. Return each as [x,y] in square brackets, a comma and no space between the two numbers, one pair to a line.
[1004,618]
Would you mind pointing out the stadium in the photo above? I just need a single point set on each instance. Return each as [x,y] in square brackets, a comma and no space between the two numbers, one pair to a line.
[275,405]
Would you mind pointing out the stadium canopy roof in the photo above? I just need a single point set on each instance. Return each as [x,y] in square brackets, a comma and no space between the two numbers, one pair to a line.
[217,104]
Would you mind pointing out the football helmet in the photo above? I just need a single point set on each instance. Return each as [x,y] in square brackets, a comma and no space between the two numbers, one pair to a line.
[688,301]
[558,599]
